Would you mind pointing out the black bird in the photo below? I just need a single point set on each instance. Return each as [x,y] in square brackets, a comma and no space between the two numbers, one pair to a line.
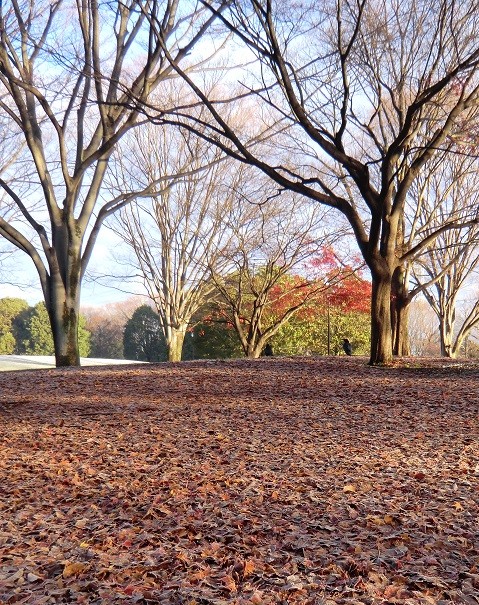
[268,350]
[347,346]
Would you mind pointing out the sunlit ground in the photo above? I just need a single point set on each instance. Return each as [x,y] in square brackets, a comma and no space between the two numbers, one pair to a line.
[298,481]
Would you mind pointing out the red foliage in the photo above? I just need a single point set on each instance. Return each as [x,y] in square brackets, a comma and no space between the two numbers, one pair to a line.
[347,288]
[288,293]
[351,293]
[348,291]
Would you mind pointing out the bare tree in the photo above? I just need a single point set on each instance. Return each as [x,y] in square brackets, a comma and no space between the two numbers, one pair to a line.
[376,87]
[444,193]
[272,241]
[424,339]
[448,266]
[11,148]
[177,234]
[67,70]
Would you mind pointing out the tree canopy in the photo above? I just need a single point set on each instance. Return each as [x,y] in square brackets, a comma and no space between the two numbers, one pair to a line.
[10,308]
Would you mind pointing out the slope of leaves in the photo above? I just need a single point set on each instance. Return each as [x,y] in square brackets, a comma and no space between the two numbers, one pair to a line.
[275,481]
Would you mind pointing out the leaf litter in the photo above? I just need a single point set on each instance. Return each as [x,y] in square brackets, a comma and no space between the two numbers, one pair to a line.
[312,481]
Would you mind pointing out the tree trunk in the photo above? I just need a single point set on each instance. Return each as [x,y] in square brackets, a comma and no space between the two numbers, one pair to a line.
[446,333]
[63,311]
[401,342]
[381,340]
[175,342]
[400,326]
[456,347]
[62,295]
[253,350]
[400,306]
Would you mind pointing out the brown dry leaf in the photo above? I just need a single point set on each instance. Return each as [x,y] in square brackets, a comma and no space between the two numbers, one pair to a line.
[81,523]
[74,569]
[238,482]
[200,575]
[31,577]
[249,568]
[229,583]
[257,598]
[391,591]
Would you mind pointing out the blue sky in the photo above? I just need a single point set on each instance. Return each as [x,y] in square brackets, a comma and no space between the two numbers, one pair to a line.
[18,278]
[93,294]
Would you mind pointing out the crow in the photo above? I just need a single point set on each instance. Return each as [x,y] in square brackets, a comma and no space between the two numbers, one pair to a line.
[268,350]
[347,346]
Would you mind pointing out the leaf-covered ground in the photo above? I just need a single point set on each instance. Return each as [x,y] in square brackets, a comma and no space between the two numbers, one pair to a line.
[276,481]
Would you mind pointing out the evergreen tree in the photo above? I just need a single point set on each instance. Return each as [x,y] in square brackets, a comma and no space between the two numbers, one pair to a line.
[143,339]
[212,339]
[9,309]
[39,340]
[84,337]
[107,341]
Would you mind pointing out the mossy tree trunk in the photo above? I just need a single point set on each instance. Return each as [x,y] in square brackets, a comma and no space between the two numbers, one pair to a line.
[174,341]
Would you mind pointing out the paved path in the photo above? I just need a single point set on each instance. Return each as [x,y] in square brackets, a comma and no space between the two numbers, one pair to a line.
[33,362]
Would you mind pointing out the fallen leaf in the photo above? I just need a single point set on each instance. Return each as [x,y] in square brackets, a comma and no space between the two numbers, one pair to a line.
[270,516]
[74,569]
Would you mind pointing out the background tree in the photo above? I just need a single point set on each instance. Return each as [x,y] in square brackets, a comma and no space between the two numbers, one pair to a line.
[444,193]
[375,87]
[447,267]
[176,235]
[106,338]
[424,334]
[212,337]
[300,336]
[10,308]
[443,299]
[67,70]
[106,325]
[270,238]
[143,339]
[342,310]
[471,345]
[33,334]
